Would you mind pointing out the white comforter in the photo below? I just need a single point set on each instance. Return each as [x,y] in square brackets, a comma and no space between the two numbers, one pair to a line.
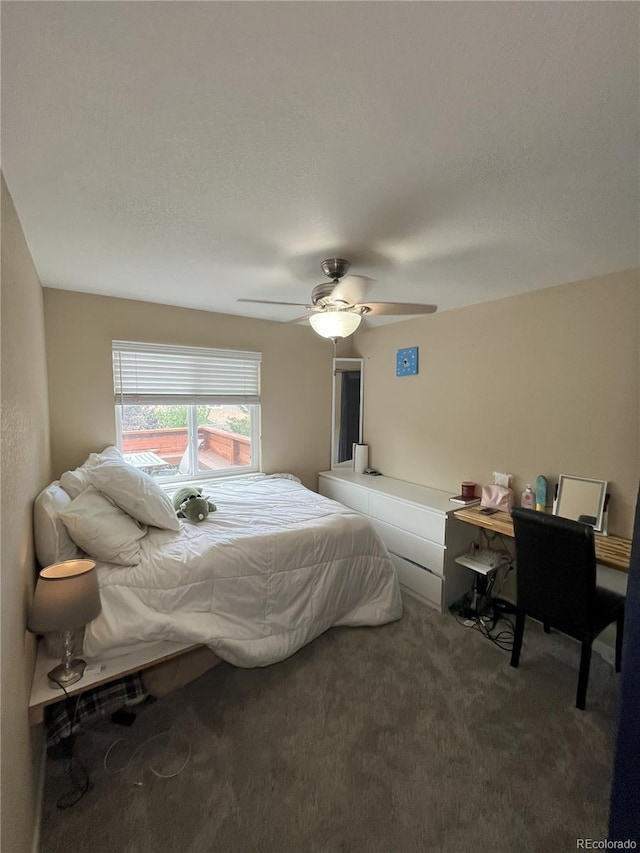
[272,568]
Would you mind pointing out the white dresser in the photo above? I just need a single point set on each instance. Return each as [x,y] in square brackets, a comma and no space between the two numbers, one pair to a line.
[413,522]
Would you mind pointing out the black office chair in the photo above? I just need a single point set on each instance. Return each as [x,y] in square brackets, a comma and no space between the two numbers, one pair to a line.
[556,583]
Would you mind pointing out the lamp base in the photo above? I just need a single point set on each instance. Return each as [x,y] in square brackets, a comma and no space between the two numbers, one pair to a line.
[62,676]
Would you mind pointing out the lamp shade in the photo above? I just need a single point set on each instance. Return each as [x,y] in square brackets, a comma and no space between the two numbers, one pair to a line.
[66,597]
[335,324]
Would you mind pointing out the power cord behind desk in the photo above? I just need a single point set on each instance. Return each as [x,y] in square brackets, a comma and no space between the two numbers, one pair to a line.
[496,611]
[488,625]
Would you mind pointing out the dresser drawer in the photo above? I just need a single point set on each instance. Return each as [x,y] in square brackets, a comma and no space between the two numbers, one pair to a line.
[412,547]
[346,494]
[416,519]
[419,581]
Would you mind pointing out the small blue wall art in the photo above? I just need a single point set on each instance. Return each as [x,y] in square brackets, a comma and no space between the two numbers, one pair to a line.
[407,361]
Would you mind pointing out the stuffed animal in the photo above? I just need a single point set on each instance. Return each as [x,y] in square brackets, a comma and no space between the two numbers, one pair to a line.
[184,494]
[196,509]
[189,503]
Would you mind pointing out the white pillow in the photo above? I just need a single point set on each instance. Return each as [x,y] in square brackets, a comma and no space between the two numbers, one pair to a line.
[76,481]
[51,538]
[134,491]
[102,529]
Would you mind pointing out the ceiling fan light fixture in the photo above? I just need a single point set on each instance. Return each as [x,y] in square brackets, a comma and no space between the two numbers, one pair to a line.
[335,324]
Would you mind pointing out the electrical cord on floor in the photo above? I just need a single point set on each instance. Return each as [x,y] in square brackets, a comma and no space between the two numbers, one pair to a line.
[503,639]
[79,776]
[126,767]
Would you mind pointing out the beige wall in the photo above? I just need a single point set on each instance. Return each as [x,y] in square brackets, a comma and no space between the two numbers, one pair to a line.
[25,464]
[542,383]
[546,382]
[296,375]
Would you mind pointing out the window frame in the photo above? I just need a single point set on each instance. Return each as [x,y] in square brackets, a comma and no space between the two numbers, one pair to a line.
[192,414]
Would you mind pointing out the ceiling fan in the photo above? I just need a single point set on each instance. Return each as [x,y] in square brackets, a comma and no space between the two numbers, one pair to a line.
[337,307]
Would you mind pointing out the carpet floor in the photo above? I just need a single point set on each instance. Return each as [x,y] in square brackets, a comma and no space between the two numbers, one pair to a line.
[414,736]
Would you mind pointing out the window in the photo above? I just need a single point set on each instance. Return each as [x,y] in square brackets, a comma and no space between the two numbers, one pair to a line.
[187,412]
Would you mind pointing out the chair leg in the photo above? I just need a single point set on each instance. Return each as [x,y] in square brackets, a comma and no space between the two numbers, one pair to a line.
[517,640]
[547,628]
[583,678]
[619,639]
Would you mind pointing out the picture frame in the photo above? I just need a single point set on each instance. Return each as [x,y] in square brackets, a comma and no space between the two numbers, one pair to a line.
[407,361]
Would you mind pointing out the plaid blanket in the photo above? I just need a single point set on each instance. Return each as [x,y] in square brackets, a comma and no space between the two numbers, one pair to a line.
[65,718]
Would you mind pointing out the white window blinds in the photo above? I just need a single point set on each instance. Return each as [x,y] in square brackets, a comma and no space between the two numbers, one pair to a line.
[153,374]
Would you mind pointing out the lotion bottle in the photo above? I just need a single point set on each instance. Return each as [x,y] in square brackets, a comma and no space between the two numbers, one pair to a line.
[528,500]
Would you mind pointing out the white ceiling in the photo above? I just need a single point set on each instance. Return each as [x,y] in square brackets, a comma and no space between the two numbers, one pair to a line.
[194,153]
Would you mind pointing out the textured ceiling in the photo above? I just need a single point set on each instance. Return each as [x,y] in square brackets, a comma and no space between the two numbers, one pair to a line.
[194,153]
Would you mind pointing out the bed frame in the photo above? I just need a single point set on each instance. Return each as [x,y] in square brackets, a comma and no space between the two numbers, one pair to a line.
[96,673]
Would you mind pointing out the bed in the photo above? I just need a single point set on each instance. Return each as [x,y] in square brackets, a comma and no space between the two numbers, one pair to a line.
[272,568]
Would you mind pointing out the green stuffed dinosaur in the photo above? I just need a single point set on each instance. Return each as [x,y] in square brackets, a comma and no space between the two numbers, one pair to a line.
[190,504]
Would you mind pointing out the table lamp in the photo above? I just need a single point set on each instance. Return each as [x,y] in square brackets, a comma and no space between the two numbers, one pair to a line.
[65,599]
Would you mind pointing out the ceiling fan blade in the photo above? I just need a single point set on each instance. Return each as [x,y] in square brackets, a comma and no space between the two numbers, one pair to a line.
[269,302]
[398,308]
[303,319]
[351,289]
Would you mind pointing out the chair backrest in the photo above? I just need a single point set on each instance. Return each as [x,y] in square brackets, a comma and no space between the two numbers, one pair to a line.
[556,570]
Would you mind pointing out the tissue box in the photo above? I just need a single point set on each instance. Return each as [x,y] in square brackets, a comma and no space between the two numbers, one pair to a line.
[498,497]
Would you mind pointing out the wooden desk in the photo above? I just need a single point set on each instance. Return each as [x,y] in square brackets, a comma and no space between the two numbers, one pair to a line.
[612,551]
[100,672]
